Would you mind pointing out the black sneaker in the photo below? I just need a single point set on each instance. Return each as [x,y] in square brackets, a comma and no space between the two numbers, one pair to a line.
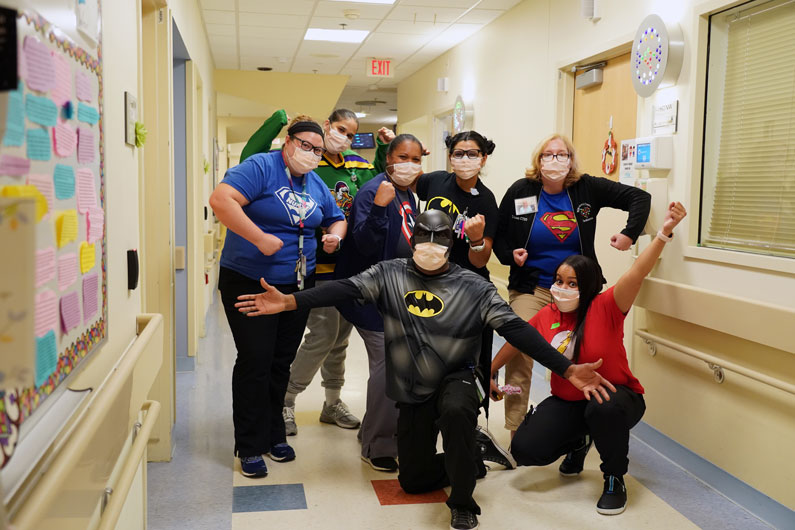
[463,519]
[382,463]
[490,450]
[573,463]
[614,497]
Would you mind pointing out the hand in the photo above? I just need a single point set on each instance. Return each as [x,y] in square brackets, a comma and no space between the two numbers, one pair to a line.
[520,256]
[585,378]
[621,242]
[386,134]
[331,243]
[494,392]
[385,194]
[268,303]
[270,244]
[474,227]
[676,212]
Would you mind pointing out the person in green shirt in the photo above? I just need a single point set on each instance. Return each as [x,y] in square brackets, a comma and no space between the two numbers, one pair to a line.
[344,171]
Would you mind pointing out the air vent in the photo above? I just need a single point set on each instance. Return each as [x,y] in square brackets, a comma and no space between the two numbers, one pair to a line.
[369,102]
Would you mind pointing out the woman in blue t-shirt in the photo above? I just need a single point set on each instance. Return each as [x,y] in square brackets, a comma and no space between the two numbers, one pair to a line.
[271,203]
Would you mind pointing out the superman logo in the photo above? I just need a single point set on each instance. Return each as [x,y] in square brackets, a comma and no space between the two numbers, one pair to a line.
[423,303]
[561,224]
[444,204]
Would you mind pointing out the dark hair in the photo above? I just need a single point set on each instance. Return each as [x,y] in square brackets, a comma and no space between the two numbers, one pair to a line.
[589,283]
[401,138]
[343,114]
[485,145]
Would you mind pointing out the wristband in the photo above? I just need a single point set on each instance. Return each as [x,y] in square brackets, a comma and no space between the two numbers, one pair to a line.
[339,240]
[665,239]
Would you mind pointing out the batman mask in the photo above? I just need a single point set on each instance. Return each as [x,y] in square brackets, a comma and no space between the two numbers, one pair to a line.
[432,240]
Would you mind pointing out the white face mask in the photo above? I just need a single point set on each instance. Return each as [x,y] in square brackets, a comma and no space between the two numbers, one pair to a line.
[466,168]
[567,300]
[302,162]
[555,170]
[404,173]
[430,256]
[336,142]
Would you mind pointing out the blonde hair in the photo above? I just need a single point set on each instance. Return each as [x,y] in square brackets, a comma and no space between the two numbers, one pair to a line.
[534,171]
[300,117]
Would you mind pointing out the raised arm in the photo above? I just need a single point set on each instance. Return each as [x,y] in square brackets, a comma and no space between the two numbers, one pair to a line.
[261,140]
[628,286]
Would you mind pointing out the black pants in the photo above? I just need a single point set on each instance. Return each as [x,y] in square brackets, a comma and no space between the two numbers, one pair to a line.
[266,346]
[557,426]
[453,410]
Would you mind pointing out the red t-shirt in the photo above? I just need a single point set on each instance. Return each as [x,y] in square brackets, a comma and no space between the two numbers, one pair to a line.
[603,339]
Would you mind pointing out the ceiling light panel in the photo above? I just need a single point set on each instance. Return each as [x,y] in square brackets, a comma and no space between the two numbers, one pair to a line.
[335,35]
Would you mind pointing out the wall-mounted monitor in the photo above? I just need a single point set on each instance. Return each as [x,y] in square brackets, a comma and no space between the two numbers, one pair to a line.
[363,141]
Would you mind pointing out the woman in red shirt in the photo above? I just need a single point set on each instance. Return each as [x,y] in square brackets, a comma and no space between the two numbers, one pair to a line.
[586,326]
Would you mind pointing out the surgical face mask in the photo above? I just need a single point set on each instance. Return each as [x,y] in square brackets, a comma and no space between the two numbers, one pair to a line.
[430,256]
[336,142]
[303,162]
[466,168]
[567,300]
[555,170]
[404,173]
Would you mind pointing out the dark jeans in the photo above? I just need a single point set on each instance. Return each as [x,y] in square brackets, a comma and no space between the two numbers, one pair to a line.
[557,426]
[266,346]
[453,410]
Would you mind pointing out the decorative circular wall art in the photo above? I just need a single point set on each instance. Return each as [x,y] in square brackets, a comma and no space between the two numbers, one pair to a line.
[459,115]
[657,54]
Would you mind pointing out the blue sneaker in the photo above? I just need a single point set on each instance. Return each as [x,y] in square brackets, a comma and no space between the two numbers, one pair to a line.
[282,452]
[253,466]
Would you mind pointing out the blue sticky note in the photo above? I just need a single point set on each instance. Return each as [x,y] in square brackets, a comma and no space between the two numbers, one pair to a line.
[39,145]
[15,120]
[46,357]
[64,178]
[87,113]
[41,110]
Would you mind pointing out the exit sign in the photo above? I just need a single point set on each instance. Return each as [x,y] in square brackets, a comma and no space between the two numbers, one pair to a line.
[379,67]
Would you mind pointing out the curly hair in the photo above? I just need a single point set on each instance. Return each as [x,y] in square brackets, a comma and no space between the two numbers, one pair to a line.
[534,171]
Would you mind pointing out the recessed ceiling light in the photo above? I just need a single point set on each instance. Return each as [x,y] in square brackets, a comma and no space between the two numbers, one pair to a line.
[336,35]
[367,1]
[361,114]
[264,68]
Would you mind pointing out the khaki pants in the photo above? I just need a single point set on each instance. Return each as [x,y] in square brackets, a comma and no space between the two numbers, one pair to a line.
[519,371]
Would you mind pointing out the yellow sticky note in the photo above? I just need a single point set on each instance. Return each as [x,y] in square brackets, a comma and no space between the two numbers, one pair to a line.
[66,227]
[87,257]
[27,191]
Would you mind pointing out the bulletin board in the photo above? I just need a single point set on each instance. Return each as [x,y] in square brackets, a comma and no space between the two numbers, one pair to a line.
[52,149]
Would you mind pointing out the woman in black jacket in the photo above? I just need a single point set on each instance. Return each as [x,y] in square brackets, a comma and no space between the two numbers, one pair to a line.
[544,218]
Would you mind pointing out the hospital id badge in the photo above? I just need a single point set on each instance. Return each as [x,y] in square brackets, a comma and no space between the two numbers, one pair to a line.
[526,205]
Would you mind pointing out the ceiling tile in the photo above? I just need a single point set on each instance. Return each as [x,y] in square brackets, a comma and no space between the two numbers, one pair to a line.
[273,20]
[366,11]
[310,67]
[481,16]
[271,33]
[221,29]
[226,64]
[460,4]
[340,49]
[219,17]
[291,7]
[334,23]
[223,41]
[390,45]
[498,4]
[415,28]
[251,64]
[454,35]
[425,14]
[266,47]
[220,5]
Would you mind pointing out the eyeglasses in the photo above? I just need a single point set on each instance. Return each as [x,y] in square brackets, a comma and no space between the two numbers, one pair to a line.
[472,153]
[560,157]
[306,146]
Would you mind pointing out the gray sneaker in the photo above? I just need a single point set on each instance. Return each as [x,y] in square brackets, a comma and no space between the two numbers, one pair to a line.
[290,428]
[339,414]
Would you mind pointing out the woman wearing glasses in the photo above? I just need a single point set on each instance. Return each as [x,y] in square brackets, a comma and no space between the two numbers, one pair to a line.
[544,218]
[271,203]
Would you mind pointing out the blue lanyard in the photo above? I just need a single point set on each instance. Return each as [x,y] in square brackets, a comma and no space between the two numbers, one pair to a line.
[300,265]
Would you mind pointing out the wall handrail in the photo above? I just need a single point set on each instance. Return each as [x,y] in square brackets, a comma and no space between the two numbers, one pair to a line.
[715,363]
[110,516]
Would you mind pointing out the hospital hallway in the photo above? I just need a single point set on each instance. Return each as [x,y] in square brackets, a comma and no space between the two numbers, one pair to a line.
[328,486]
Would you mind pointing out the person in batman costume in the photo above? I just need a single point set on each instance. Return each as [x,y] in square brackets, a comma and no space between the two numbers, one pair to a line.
[434,313]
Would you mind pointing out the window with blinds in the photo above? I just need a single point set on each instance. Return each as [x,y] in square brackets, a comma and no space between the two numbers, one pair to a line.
[748,180]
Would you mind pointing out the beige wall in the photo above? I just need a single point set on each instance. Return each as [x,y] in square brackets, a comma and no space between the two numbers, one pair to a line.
[511,75]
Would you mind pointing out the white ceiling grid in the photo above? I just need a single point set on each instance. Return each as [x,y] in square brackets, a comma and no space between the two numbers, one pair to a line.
[247,34]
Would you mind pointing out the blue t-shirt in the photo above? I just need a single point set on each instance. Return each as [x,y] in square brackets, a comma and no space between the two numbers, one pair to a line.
[274,206]
[554,235]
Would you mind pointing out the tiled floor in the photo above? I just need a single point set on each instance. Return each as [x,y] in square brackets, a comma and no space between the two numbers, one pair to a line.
[329,487]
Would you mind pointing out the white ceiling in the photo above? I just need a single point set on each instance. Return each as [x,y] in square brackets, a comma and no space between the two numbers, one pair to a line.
[247,34]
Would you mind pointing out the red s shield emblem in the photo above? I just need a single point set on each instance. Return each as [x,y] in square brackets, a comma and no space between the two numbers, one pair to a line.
[561,224]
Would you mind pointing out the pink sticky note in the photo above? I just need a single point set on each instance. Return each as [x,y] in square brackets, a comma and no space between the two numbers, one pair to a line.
[14,166]
[63,79]
[45,266]
[90,299]
[39,65]
[70,311]
[85,145]
[85,91]
[86,196]
[67,270]
[96,224]
[64,139]
[44,184]
[46,312]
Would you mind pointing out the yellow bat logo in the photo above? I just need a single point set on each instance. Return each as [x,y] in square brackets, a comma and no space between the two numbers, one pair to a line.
[423,303]
[444,204]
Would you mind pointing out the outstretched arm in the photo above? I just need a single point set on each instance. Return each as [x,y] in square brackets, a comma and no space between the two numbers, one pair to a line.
[628,286]
[273,301]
